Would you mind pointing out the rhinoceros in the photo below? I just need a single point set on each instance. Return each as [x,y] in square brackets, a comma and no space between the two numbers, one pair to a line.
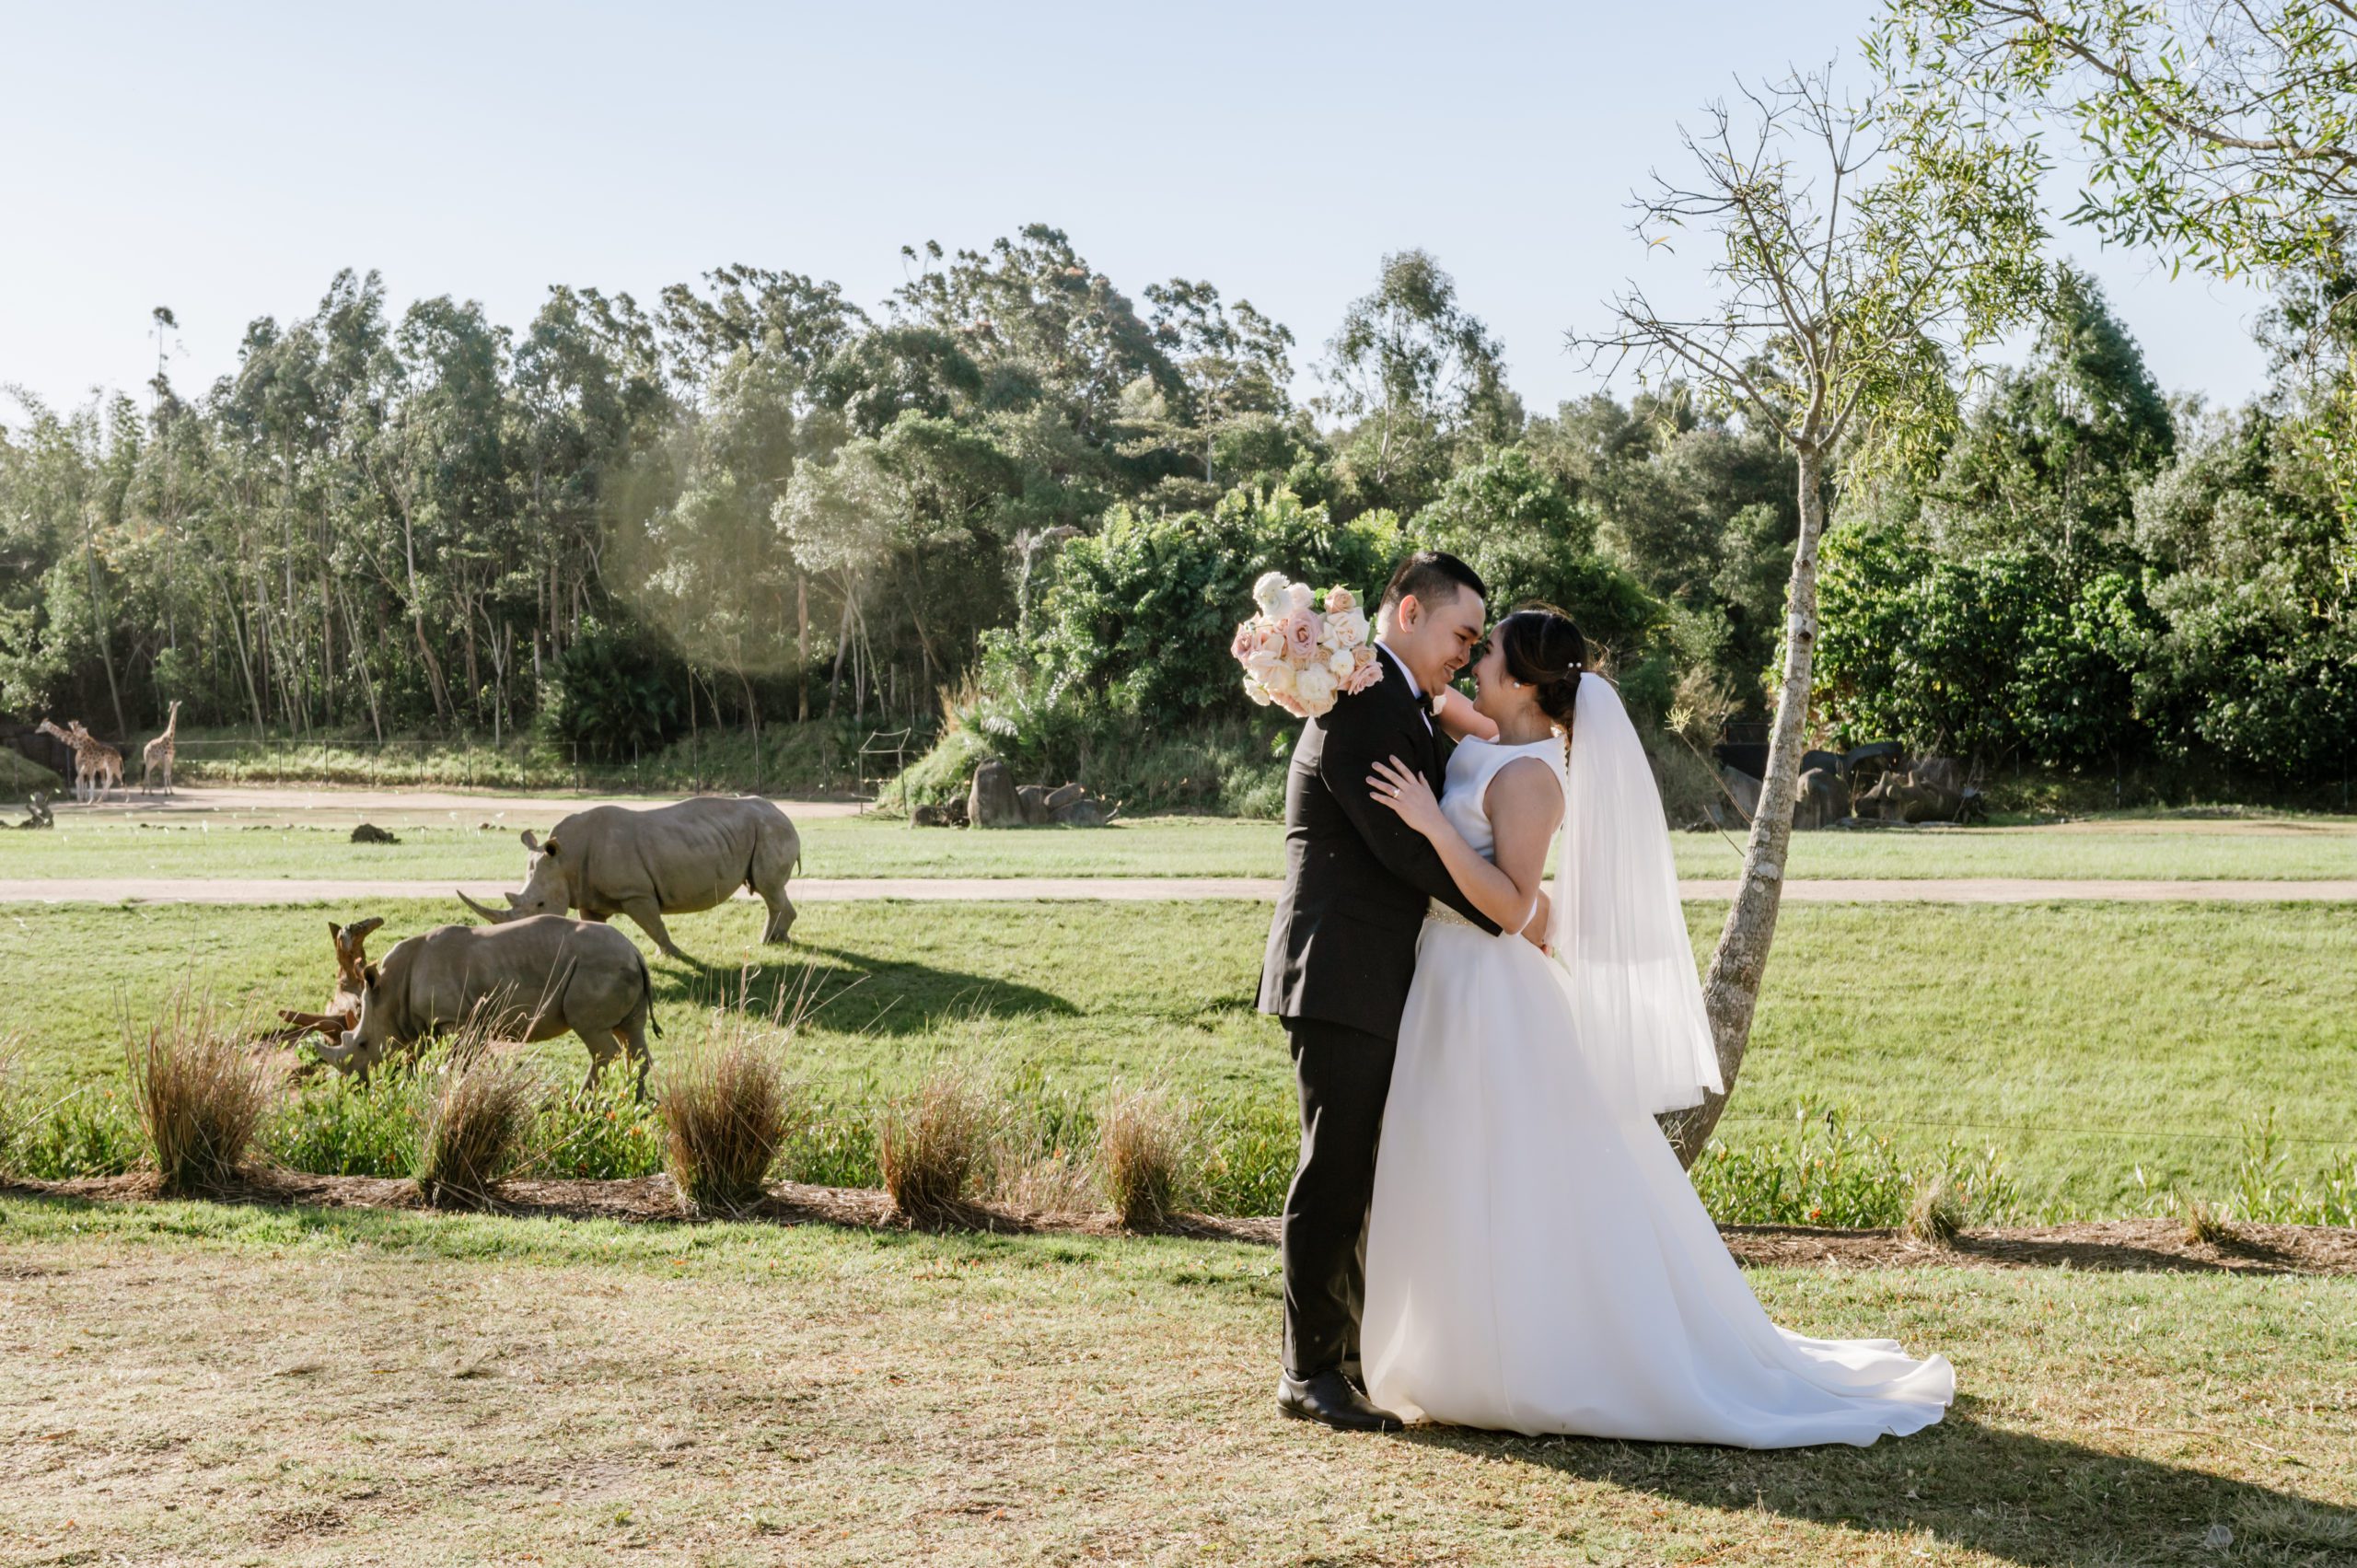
[675,859]
[530,979]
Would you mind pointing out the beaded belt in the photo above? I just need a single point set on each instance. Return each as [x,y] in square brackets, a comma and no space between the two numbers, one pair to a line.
[1443,914]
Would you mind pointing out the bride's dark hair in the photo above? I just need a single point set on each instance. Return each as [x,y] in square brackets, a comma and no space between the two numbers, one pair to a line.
[1546,652]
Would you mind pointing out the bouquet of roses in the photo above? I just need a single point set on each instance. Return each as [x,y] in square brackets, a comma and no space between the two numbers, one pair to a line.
[1298,658]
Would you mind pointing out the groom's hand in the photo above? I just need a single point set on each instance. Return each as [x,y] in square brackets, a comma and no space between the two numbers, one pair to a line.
[1542,919]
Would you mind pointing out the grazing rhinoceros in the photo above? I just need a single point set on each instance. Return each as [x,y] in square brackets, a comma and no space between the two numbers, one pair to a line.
[529,979]
[675,859]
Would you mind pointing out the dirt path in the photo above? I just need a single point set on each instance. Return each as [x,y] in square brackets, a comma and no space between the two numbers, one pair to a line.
[1134,890]
[322,805]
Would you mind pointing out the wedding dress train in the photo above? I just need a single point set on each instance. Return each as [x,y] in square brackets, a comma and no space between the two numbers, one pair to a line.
[1536,1259]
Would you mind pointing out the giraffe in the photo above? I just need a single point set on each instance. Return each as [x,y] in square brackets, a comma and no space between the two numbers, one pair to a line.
[98,767]
[159,753]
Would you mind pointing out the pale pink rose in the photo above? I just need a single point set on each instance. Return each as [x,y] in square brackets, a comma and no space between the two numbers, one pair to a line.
[1340,663]
[1267,638]
[1298,597]
[1363,676]
[1294,707]
[1245,641]
[1277,676]
[1314,688]
[1345,628]
[1301,630]
[1363,655]
[1338,600]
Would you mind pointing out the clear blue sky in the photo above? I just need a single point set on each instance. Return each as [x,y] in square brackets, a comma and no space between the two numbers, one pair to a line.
[226,159]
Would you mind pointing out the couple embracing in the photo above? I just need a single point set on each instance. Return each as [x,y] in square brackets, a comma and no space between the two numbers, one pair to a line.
[1487,1226]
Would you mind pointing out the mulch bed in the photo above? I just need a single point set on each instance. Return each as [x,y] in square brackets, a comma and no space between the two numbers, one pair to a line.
[2109,1246]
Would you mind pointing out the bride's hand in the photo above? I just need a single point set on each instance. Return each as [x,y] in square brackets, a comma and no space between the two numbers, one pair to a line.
[1406,792]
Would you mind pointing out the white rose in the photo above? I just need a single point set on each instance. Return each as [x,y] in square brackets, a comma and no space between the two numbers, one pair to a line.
[1299,598]
[1314,688]
[1278,679]
[1346,628]
[1339,663]
[1258,693]
[1269,593]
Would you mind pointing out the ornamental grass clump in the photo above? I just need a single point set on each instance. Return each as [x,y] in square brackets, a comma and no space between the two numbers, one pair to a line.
[1143,1144]
[933,1145]
[200,1094]
[1937,1215]
[476,1114]
[724,1106]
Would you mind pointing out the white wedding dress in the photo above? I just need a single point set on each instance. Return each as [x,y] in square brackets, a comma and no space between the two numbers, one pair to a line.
[1537,1260]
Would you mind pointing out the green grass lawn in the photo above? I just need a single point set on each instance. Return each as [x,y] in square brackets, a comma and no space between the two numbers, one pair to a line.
[1178,846]
[2082,1041]
[189,1382]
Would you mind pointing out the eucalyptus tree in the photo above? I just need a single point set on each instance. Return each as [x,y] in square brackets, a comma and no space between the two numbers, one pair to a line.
[1863,253]
[2221,132]
[1235,363]
[1414,369]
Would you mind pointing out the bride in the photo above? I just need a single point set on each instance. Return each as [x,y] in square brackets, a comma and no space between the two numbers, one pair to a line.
[1537,1260]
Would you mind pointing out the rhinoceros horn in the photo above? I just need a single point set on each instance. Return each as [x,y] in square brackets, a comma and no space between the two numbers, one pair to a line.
[497,917]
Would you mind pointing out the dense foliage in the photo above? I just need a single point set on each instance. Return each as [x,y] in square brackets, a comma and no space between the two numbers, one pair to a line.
[2083,582]
[1012,483]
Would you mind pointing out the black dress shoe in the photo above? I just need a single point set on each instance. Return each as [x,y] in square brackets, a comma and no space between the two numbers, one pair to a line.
[1354,1373]
[1329,1398]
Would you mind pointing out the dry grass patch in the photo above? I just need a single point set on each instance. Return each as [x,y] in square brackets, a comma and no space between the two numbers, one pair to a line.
[200,1093]
[1142,1145]
[476,1121]
[934,1144]
[587,1393]
[723,1105]
[1936,1215]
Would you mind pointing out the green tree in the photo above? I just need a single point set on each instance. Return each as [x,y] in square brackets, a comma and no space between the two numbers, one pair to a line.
[1842,306]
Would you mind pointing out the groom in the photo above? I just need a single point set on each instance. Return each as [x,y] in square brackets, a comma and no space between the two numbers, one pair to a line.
[1342,953]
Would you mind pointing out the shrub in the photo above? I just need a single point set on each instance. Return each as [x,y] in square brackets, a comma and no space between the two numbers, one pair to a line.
[200,1093]
[1142,1146]
[1827,1172]
[87,1134]
[1936,1215]
[338,1125]
[934,1143]
[724,1108]
[475,1120]
[2204,1224]
[610,1134]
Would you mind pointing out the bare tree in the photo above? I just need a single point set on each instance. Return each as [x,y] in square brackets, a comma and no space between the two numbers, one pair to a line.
[1865,256]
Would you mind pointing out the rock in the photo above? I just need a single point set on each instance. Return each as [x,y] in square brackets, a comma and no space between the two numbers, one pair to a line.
[369,833]
[1032,801]
[1822,801]
[1084,811]
[1060,798]
[992,801]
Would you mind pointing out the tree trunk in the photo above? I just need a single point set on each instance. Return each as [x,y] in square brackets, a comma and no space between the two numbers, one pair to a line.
[98,623]
[802,635]
[1731,988]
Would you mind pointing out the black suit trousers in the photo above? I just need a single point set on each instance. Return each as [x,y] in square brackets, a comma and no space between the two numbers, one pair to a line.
[1344,1075]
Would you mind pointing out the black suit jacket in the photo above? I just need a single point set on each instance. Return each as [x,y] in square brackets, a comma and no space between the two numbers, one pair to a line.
[1342,946]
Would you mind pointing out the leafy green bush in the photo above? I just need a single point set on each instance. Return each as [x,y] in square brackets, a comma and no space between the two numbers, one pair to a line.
[336,1125]
[1992,657]
[89,1133]
[614,691]
[1139,615]
[1826,1172]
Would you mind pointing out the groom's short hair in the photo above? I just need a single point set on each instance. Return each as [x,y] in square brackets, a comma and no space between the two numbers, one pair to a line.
[1432,576]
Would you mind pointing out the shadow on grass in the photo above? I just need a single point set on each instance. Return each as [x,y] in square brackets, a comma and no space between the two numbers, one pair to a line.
[2011,1495]
[853,990]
